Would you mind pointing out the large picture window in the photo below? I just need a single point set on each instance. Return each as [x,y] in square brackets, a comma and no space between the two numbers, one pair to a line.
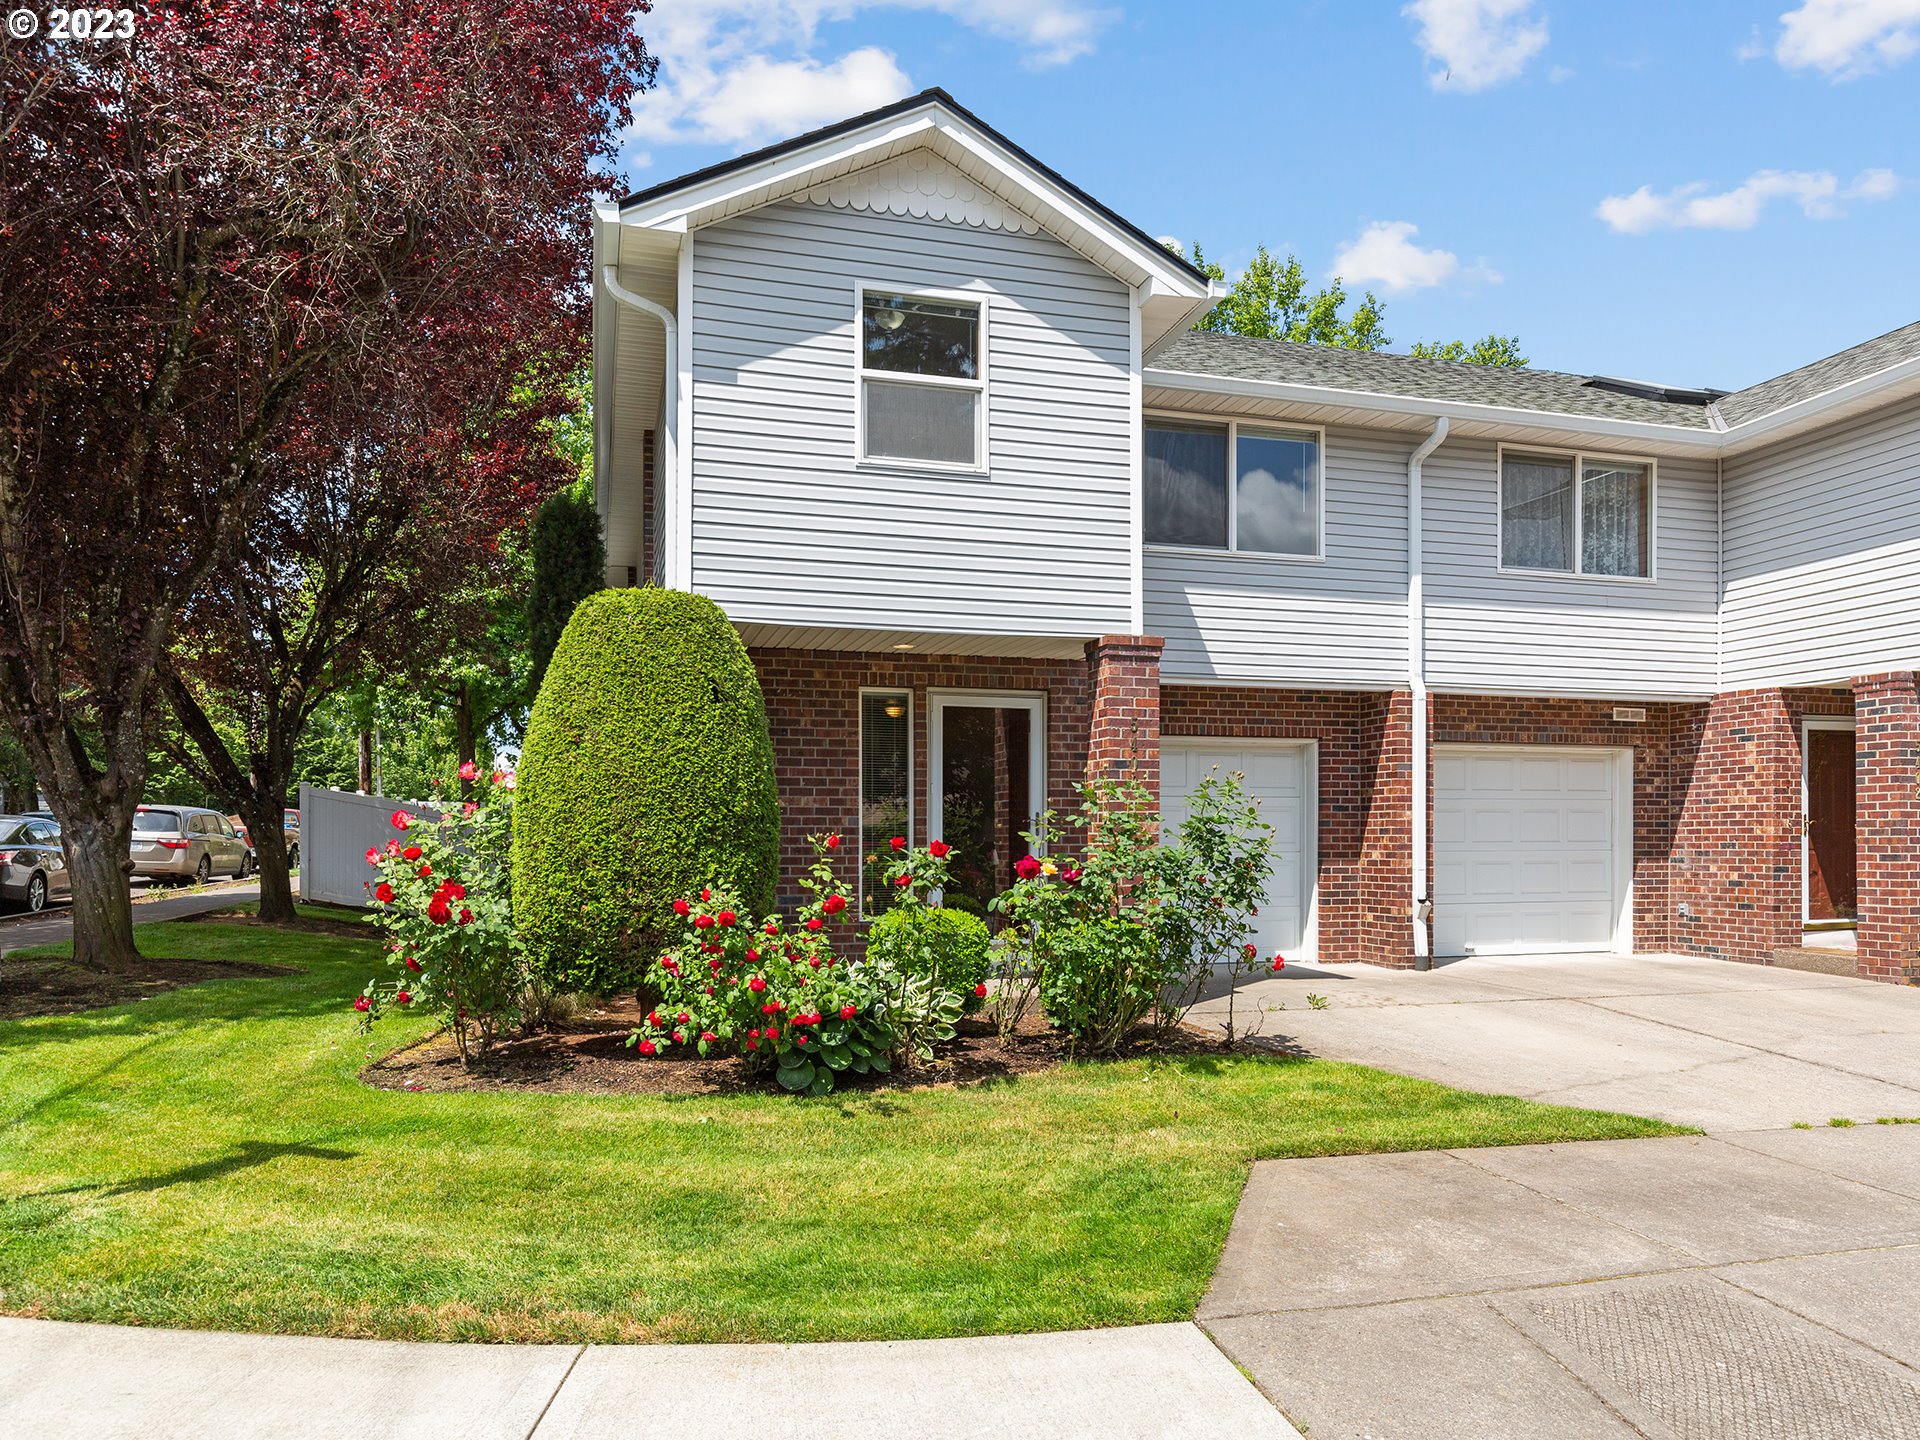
[922,386]
[1248,488]
[886,789]
[1576,515]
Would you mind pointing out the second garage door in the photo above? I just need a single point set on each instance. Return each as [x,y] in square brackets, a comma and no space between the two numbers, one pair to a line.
[1279,776]
[1529,846]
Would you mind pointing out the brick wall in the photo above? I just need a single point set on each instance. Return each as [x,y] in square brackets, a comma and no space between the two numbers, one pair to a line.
[813,711]
[1886,741]
[1661,757]
[1736,847]
[1124,738]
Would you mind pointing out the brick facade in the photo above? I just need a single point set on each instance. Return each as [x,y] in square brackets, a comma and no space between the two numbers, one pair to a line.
[1716,785]
[1887,825]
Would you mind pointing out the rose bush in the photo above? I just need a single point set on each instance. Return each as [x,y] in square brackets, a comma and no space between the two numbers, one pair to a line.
[442,895]
[1124,935]
[768,990]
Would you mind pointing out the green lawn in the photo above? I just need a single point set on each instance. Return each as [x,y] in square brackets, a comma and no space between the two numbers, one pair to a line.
[207,1158]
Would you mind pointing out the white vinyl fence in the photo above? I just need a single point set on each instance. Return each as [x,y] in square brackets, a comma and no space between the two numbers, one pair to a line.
[337,827]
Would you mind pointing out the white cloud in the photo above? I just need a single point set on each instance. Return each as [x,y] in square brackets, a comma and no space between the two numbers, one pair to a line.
[1477,43]
[1384,254]
[1696,207]
[744,72]
[1844,38]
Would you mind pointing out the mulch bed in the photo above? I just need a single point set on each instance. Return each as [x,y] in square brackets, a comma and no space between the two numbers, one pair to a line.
[41,986]
[588,1055]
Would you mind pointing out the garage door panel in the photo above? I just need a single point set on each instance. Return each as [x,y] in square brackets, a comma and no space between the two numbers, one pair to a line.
[1524,850]
[1275,778]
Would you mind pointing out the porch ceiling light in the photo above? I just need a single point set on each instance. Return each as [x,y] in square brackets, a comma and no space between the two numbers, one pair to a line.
[895,709]
[903,645]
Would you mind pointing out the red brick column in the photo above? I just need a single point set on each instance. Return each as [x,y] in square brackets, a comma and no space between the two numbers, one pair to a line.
[1735,875]
[1124,736]
[1386,841]
[1886,741]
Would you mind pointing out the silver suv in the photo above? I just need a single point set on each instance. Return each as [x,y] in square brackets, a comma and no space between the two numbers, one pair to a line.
[181,843]
[33,868]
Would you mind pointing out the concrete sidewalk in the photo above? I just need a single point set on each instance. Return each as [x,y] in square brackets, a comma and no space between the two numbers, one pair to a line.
[99,1382]
[1707,1043]
[1730,1288]
[149,904]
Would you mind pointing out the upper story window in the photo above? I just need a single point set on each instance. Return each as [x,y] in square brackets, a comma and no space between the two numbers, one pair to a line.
[1249,488]
[1576,514]
[922,395]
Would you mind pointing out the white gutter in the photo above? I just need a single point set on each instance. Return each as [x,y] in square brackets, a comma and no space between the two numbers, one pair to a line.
[1417,688]
[666,462]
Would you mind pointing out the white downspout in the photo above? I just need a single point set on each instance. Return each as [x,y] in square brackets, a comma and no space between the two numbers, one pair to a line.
[665,463]
[1417,689]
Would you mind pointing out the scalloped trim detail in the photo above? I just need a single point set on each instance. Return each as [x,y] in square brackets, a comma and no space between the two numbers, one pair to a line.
[924,186]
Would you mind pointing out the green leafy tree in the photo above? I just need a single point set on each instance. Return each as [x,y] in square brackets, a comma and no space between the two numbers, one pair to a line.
[1500,351]
[569,564]
[1270,300]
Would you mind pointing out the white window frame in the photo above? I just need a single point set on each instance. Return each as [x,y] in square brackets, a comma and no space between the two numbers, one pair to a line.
[1580,459]
[1233,425]
[1034,702]
[861,375]
[859,827]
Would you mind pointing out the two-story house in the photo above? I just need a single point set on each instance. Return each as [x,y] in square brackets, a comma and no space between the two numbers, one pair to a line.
[1515,661]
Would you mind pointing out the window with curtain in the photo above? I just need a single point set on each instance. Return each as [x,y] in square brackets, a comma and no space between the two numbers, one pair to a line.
[922,393]
[1575,515]
[886,781]
[1231,487]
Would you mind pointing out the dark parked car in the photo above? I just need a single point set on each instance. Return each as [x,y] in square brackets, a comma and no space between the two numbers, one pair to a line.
[33,868]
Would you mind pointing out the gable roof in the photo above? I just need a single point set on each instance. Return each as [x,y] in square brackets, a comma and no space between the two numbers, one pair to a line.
[1376,372]
[933,95]
[1856,363]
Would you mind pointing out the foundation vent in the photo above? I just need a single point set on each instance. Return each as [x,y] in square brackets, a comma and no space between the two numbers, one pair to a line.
[1630,714]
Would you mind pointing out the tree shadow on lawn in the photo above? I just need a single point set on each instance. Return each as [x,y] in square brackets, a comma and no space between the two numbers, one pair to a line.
[247,1155]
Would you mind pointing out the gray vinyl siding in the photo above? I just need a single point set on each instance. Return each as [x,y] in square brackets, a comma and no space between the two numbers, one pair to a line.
[1340,622]
[788,527]
[1823,554]
[1504,633]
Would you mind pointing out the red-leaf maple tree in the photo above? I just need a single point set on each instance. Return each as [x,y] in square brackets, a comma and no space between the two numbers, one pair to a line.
[200,226]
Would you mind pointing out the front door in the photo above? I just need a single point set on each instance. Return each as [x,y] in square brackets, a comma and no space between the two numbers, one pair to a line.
[987,779]
[1831,878]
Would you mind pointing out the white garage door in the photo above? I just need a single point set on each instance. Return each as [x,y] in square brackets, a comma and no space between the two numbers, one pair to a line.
[1526,849]
[1279,777]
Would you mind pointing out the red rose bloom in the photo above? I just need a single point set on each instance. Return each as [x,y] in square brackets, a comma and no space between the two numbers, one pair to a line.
[799,1039]
[703,922]
[815,923]
[726,917]
[753,957]
[773,928]
[679,1037]
[401,820]
[903,881]
[383,892]
[373,856]
[682,1018]
[773,1032]
[681,907]
[753,1044]
[938,849]
[413,964]
[708,1036]
[834,904]
[847,1012]
[1248,950]
[1072,874]
[455,890]
[466,916]
[403,998]
[412,852]
[980,990]
[756,984]
[469,770]
[646,1047]
[832,842]
[362,1004]
[424,871]
[438,911]
[653,1018]
[899,842]
[1278,963]
[753,1034]
[1026,867]
[706,894]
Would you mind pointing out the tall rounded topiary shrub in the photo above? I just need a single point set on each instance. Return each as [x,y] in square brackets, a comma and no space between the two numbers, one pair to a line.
[647,773]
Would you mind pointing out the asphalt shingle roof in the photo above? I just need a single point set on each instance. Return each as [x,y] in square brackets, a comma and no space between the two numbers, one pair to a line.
[1821,376]
[1235,356]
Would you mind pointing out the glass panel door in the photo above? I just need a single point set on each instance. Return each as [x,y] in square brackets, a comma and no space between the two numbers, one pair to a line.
[988,782]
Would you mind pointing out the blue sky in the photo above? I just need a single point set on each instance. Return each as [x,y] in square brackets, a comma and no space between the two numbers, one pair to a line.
[1701,192]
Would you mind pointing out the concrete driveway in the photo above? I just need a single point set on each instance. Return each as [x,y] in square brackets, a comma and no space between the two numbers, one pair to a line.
[1755,1281]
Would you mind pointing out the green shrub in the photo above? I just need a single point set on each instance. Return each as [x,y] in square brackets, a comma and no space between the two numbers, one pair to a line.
[647,773]
[947,946]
